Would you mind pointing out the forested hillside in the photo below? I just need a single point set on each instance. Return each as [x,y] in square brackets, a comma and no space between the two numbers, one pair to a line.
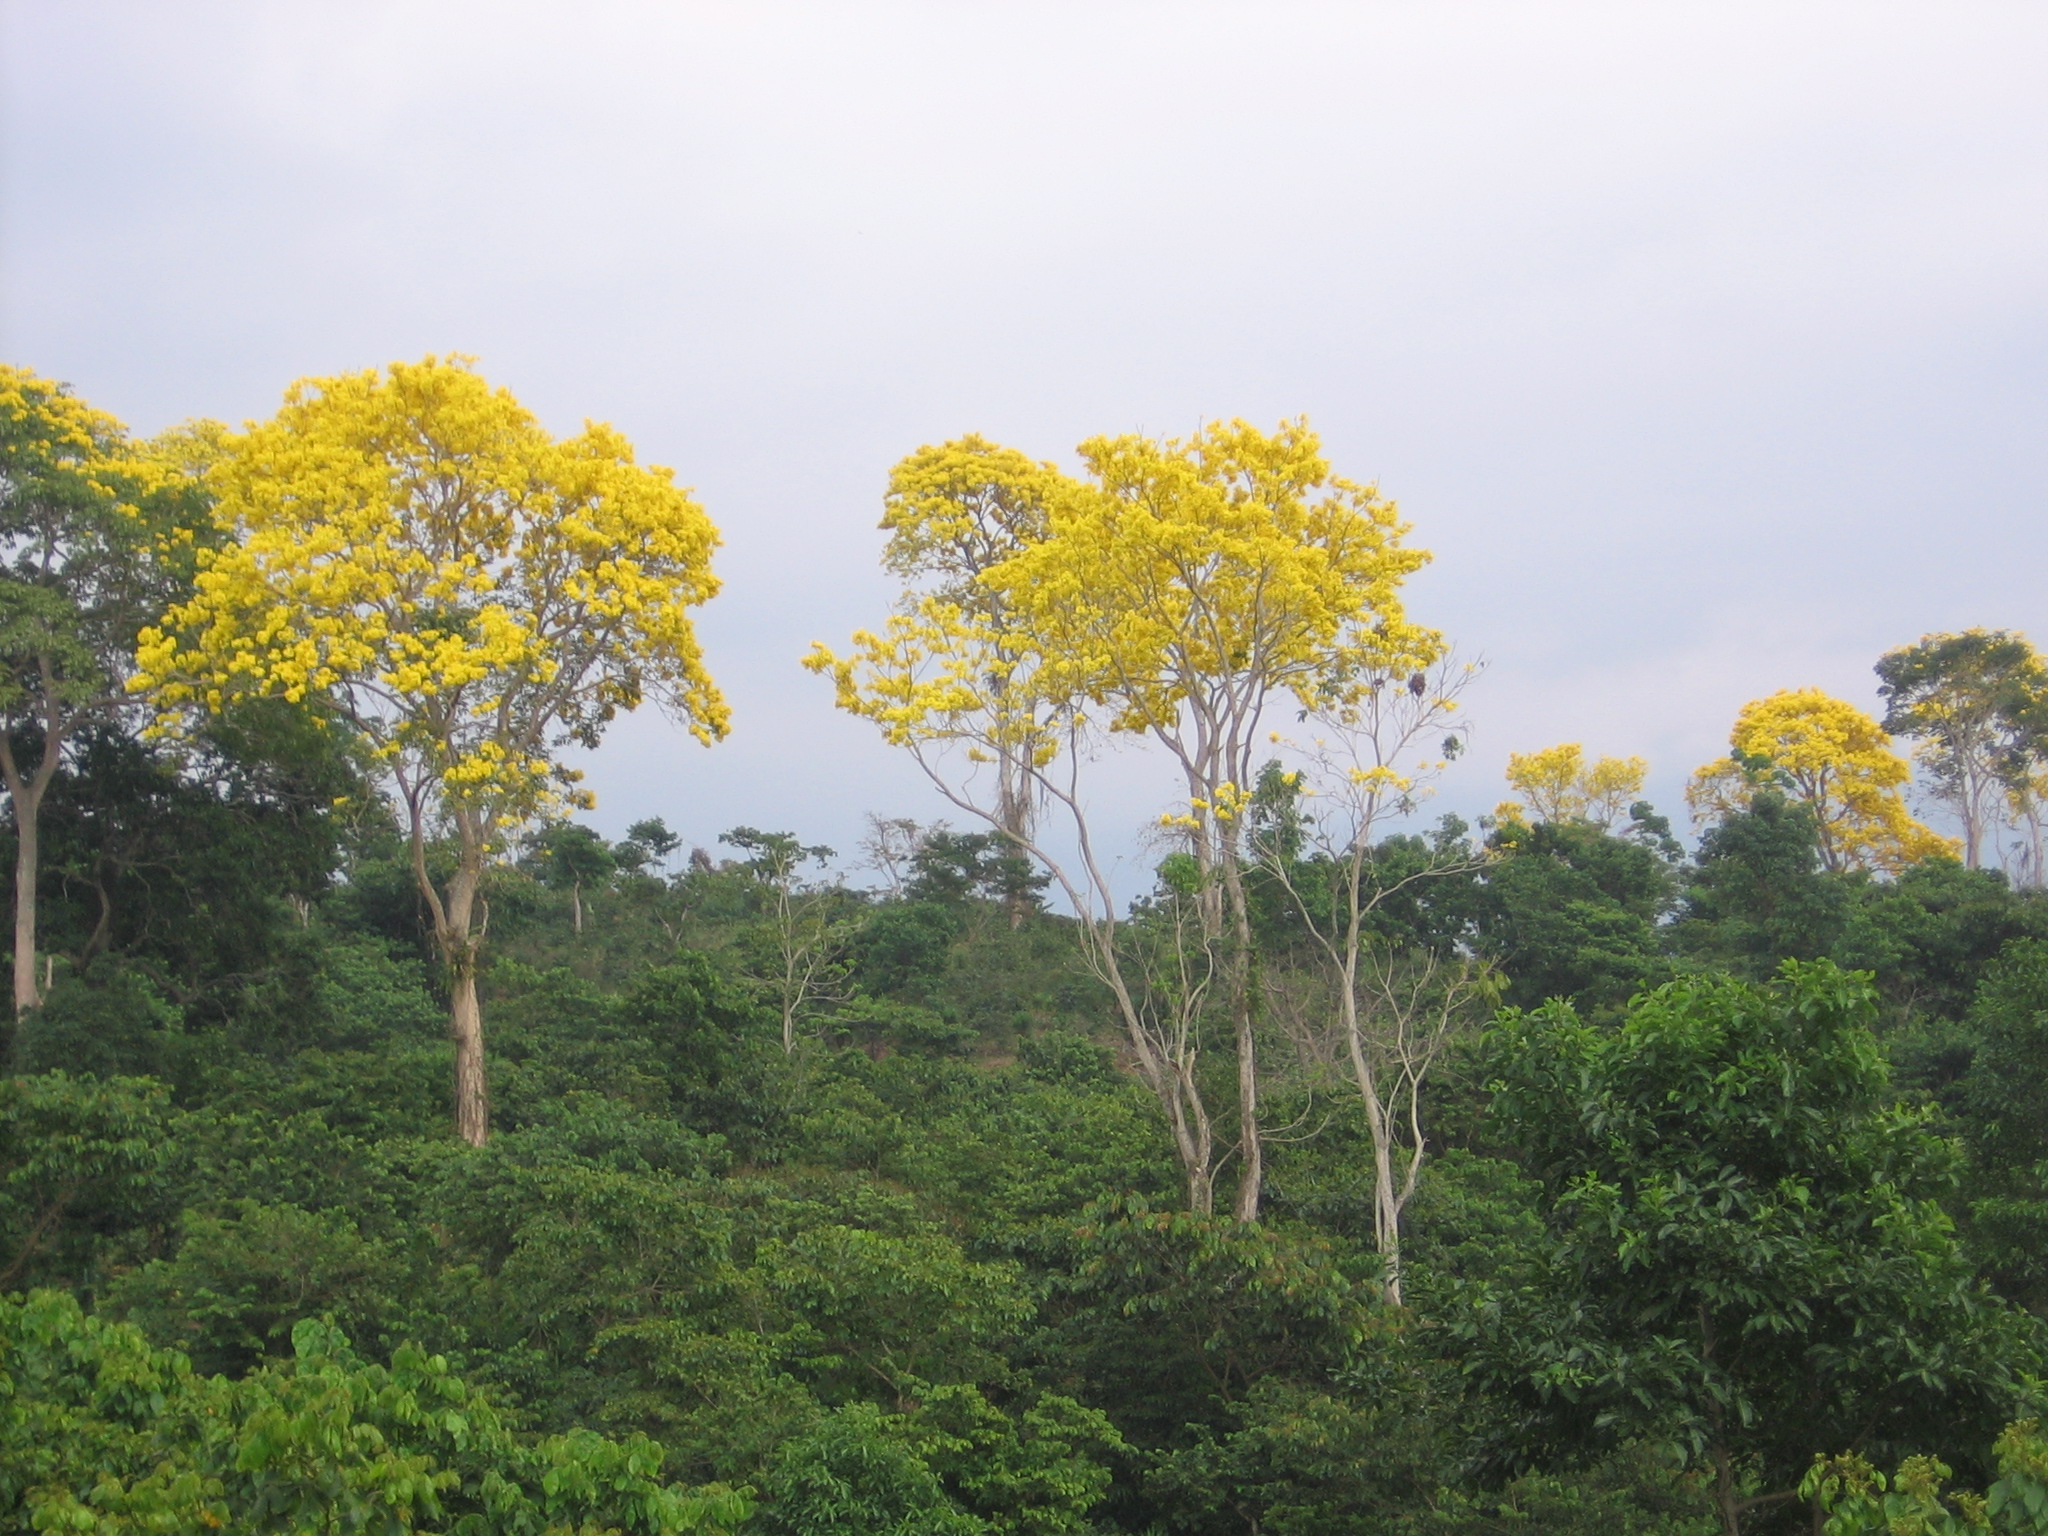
[385,1149]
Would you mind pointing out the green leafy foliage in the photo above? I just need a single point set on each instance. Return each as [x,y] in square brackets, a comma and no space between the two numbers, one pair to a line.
[1859,1500]
[80,1161]
[101,1432]
[1747,1253]
[920,1265]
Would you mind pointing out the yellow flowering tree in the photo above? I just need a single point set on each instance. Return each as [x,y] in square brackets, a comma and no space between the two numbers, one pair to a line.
[1191,586]
[1558,784]
[471,594]
[1180,591]
[1836,760]
[953,513]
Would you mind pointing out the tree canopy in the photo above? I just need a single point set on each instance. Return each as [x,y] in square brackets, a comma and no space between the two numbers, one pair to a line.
[1587,1180]
[412,550]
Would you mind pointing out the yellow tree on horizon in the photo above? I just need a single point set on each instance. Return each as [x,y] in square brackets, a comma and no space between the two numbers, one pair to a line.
[413,551]
[1558,784]
[1839,763]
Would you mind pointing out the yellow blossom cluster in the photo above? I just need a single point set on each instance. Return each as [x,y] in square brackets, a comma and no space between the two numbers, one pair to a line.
[1229,560]
[413,546]
[1558,784]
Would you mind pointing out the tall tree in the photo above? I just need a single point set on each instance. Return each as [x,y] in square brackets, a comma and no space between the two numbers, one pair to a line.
[80,515]
[953,513]
[1387,1012]
[574,855]
[1966,698]
[1757,893]
[1193,585]
[468,591]
[1830,755]
[1176,595]
[806,946]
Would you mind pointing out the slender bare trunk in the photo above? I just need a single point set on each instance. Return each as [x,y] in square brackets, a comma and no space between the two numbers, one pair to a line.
[27,797]
[1193,1138]
[1243,1009]
[1251,1179]
[1386,1208]
[1169,1072]
[1386,1204]
[26,994]
[1165,1057]
[576,904]
[1013,819]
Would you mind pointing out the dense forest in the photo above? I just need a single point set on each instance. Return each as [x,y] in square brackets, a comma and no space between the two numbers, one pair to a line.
[385,1149]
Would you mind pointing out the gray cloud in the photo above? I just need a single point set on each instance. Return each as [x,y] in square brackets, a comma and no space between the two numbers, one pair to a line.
[1707,346]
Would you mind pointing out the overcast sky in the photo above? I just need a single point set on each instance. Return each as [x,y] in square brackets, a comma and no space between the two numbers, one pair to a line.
[1705,345]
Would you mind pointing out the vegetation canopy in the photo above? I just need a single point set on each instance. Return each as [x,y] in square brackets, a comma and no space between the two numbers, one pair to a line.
[1351,1171]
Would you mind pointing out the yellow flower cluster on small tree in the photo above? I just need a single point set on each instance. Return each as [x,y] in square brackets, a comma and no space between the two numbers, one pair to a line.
[1558,784]
[414,551]
[1839,763]
[1176,593]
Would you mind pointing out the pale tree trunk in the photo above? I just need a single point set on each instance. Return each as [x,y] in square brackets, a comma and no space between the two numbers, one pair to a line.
[1171,1076]
[1390,1068]
[1226,919]
[26,995]
[1243,1006]
[459,942]
[1252,1178]
[466,1026]
[1976,786]
[27,797]
[2037,876]
[808,947]
[459,946]
[1013,819]
[1386,1204]
[1194,1140]
[785,921]
[576,905]
[1015,810]
[1167,1067]
[1165,1055]
[1226,915]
